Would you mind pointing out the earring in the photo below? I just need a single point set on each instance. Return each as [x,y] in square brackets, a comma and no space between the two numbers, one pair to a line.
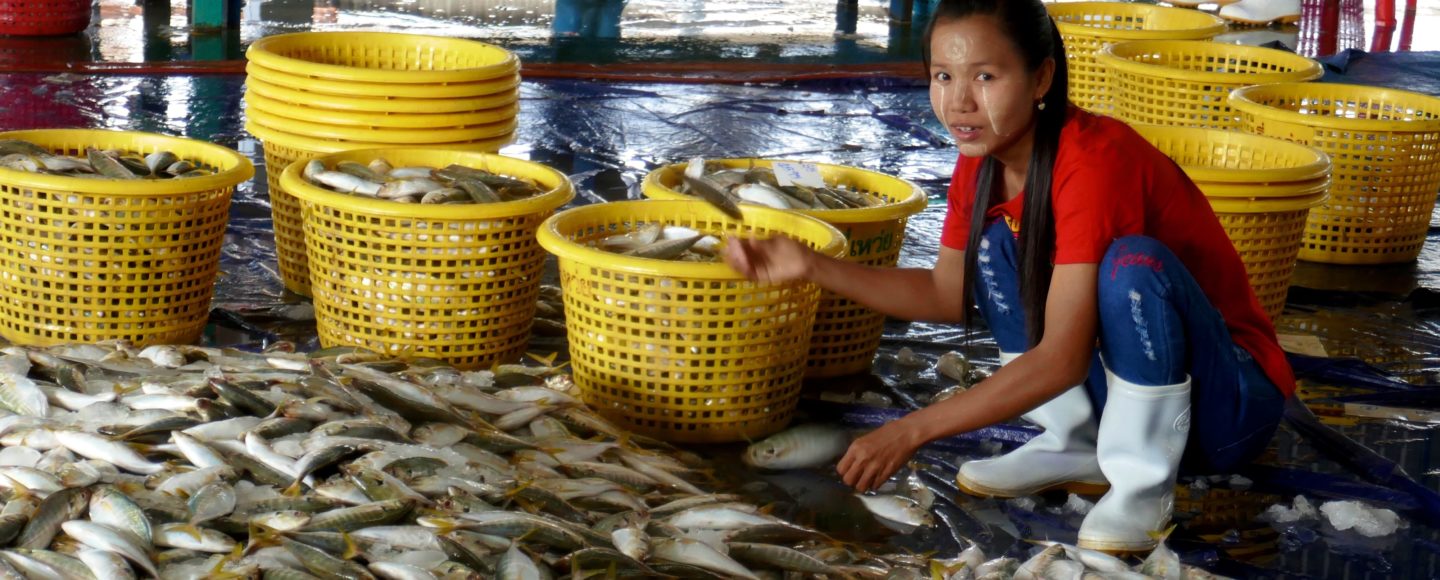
[1040,106]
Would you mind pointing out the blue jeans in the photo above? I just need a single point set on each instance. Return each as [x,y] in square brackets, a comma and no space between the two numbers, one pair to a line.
[1156,327]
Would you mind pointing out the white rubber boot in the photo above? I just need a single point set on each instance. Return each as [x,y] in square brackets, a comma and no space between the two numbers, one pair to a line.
[1062,457]
[1262,12]
[1142,437]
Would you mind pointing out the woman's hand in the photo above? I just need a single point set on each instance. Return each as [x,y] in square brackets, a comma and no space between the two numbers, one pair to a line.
[872,459]
[778,259]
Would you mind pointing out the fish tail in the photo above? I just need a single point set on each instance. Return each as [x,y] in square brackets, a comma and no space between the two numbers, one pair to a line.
[351,548]
[260,536]
[193,530]
[294,489]
[124,388]
[17,489]
[1162,535]
[547,360]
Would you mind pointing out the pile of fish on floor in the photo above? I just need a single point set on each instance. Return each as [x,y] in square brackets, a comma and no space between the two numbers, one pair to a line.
[191,462]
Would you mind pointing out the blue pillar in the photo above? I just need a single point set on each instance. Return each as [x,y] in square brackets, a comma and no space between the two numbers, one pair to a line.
[588,18]
[214,14]
[847,15]
[902,10]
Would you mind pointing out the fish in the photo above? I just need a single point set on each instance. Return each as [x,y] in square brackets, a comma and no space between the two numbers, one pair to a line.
[799,447]
[109,166]
[894,509]
[104,538]
[347,183]
[701,555]
[778,557]
[664,249]
[1035,568]
[160,161]
[761,194]
[639,237]
[715,196]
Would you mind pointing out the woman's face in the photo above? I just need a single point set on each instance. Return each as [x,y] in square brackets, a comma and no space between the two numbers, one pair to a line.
[979,86]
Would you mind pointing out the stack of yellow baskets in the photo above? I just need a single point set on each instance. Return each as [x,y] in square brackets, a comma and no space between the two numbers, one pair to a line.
[1262,190]
[686,351]
[1087,27]
[846,334]
[457,283]
[1187,83]
[1385,146]
[314,93]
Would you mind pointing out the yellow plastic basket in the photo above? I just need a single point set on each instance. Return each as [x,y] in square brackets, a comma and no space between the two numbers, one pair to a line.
[1187,83]
[383,90]
[1261,188]
[1086,27]
[320,101]
[88,260]
[409,121]
[1215,157]
[383,57]
[452,282]
[282,149]
[381,135]
[1266,233]
[689,352]
[1382,144]
[846,334]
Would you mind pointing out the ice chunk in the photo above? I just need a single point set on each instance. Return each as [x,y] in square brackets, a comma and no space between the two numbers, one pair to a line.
[1078,505]
[875,399]
[1280,514]
[1371,522]
[908,358]
[1024,503]
[103,414]
[248,494]
[1240,483]
[290,445]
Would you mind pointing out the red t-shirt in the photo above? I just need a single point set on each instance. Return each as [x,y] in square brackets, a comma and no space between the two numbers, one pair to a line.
[1108,183]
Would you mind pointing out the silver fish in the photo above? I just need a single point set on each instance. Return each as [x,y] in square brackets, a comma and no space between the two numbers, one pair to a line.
[802,446]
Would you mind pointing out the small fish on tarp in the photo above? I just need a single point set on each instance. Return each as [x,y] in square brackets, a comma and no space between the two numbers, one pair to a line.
[802,446]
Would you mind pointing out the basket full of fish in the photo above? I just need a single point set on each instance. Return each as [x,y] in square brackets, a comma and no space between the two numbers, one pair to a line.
[426,252]
[110,234]
[870,208]
[667,340]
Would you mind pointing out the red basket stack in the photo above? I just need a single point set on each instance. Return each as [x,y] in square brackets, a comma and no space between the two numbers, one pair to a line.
[43,17]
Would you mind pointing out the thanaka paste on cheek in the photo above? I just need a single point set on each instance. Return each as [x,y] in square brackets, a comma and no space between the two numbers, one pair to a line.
[990,112]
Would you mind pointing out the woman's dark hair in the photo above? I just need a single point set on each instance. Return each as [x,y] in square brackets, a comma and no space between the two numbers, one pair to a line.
[1035,37]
